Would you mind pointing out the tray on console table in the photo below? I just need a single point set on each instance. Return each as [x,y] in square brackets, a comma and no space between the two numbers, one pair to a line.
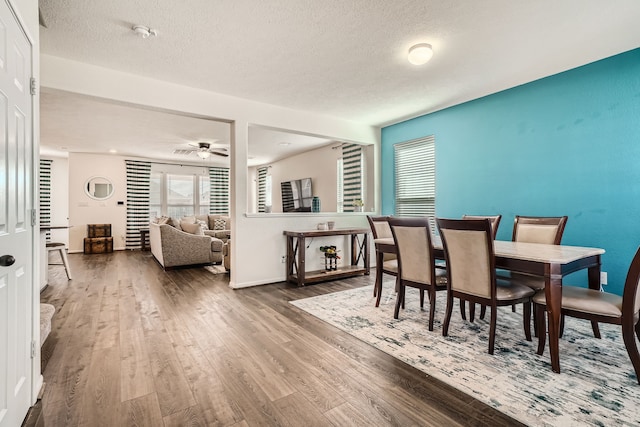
[296,272]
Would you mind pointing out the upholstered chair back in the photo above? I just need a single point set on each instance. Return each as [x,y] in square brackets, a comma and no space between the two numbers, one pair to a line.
[547,230]
[495,222]
[412,237]
[468,246]
[380,227]
[381,230]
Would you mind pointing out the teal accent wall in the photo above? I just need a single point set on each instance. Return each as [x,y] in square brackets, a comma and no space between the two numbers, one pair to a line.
[568,144]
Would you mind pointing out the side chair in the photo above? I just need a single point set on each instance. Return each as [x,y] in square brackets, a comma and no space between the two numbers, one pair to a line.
[386,261]
[495,223]
[535,229]
[596,306]
[471,273]
[416,262]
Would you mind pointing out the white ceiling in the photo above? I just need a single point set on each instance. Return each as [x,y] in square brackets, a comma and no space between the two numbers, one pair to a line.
[335,57]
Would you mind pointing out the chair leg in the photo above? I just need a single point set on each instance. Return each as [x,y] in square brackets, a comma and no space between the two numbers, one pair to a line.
[513,308]
[535,322]
[596,329]
[379,293]
[65,262]
[421,298]
[561,332]
[399,301]
[632,349]
[492,329]
[483,311]
[462,310]
[472,311]
[447,315]
[432,307]
[542,327]
[527,320]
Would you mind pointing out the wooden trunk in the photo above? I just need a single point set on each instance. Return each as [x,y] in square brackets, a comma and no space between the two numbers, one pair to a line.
[98,230]
[98,245]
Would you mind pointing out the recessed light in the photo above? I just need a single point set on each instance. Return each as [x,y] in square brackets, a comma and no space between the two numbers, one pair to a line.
[64,148]
[284,144]
[113,151]
[420,53]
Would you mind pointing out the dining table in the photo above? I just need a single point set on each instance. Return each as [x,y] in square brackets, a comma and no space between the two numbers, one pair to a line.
[551,262]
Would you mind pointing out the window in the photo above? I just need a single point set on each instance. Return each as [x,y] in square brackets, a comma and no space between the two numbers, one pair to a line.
[415,177]
[178,195]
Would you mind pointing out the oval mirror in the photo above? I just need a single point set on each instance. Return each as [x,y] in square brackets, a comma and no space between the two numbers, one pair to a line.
[99,188]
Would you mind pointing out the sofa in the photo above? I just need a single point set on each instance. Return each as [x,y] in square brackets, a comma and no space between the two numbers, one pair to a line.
[176,248]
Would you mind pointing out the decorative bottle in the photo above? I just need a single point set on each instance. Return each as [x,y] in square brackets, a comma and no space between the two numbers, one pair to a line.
[315,204]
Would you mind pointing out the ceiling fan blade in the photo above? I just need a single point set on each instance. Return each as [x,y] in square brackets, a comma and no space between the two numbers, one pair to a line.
[217,153]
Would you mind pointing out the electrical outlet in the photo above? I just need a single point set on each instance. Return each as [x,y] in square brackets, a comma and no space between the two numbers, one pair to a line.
[283,259]
[603,278]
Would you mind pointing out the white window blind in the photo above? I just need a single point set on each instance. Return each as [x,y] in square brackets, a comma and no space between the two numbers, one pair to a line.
[262,188]
[415,177]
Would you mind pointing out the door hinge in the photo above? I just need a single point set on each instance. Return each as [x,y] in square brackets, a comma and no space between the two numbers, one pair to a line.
[33,349]
[34,86]
[34,217]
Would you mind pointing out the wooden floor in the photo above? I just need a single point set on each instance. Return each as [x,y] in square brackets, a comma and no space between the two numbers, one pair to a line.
[132,345]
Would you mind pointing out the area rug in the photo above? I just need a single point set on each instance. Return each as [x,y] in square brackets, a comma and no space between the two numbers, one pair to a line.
[597,385]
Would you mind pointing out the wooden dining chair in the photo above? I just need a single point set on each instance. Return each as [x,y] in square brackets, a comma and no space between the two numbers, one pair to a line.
[535,229]
[471,273]
[495,223]
[416,262]
[596,306]
[380,230]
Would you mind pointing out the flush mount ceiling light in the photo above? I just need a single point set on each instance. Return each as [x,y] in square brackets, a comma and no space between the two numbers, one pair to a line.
[143,31]
[420,53]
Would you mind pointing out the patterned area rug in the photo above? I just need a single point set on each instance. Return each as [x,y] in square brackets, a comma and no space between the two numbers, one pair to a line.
[597,385]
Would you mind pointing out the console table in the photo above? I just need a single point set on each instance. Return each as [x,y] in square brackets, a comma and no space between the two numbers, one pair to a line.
[296,255]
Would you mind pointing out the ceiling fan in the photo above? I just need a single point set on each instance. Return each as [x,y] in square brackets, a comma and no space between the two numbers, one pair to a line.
[203,150]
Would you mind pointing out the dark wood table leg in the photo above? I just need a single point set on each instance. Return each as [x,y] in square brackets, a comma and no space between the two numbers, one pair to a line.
[301,266]
[553,294]
[367,263]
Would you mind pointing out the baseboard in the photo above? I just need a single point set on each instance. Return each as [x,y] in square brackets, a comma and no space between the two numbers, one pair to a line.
[256,283]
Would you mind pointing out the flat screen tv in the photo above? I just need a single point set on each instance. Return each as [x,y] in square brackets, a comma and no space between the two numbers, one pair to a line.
[296,195]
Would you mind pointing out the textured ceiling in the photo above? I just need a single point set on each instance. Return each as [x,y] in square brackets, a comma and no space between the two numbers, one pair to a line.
[343,58]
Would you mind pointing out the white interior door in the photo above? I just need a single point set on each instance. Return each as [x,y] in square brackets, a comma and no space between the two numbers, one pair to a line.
[16,230]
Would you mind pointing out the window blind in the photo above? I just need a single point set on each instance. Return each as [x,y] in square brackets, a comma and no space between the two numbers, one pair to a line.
[138,178]
[219,191]
[415,177]
[45,194]
[262,188]
[352,175]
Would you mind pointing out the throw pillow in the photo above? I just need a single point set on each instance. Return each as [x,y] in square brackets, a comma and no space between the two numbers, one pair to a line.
[219,224]
[189,219]
[192,228]
[176,223]
[203,224]
[163,220]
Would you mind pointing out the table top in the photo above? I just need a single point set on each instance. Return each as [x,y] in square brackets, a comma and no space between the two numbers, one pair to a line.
[334,232]
[553,254]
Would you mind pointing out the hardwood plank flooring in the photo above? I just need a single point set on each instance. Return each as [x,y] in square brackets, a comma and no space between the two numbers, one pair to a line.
[133,345]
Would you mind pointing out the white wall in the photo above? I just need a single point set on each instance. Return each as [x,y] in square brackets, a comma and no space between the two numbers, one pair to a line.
[320,165]
[84,210]
[257,240]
